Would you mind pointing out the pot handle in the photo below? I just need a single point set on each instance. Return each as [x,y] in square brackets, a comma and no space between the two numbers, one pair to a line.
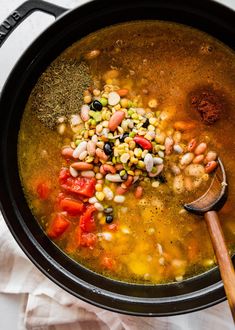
[23,11]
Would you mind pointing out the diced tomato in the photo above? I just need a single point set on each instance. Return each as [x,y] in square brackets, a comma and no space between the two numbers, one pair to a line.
[87,221]
[43,190]
[81,186]
[58,226]
[108,262]
[64,175]
[72,206]
[88,240]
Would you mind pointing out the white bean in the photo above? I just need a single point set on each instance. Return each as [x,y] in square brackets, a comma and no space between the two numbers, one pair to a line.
[140,111]
[179,278]
[85,112]
[94,138]
[108,193]
[187,158]
[106,235]
[124,158]
[113,98]
[119,199]
[161,154]
[196,170]
[75,120]
[175,169]
[99,207]
[80,148]
[168,145]
[136,178]
[188,183]
[88,174]
[91,148]
[211,155]
[113,178]
[148,161]
[73,172]
[83,155]
[155,184]
[93,200]
[177,148]
[61,128]
[178,184]
[157,161]
[177,136]
[200,149]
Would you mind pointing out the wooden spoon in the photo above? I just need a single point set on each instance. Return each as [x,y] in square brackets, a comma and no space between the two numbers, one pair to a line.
[207,205]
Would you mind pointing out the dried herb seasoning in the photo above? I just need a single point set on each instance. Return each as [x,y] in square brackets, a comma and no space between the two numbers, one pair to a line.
[59,90]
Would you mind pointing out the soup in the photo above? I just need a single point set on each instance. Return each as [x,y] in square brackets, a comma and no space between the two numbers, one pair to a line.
[120,131]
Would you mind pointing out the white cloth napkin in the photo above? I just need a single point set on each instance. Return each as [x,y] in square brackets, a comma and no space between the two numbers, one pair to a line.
[48,307]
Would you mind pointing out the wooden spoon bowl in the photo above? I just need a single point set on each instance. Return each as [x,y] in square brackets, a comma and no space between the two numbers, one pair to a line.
[207,205]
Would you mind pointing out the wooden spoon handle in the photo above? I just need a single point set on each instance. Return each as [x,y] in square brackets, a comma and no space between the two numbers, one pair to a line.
[223,258]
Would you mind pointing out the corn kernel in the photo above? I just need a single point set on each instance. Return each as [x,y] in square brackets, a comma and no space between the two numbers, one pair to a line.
[128,139]
[153,121]
[105,124]
[148,137]
[141,164]
[100,215]
[100,195]
[107,116]
[138,172]
[87,125]
[117,107]
[131,173]
[98,187]
[153,103]
[132,144]
[134,160]
[86,135]
[135,116]
[120,129]
[91,132]
[151,128]
[138,152]
[205,177]
[99,176]
[155,184]
[124,103]
[160,137]
[96,92]
[96,169]
[109,81]
[102,221]
[89,159]
[103,114]
[87,99]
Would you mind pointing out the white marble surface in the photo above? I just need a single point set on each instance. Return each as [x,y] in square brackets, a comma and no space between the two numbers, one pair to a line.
[10,305]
